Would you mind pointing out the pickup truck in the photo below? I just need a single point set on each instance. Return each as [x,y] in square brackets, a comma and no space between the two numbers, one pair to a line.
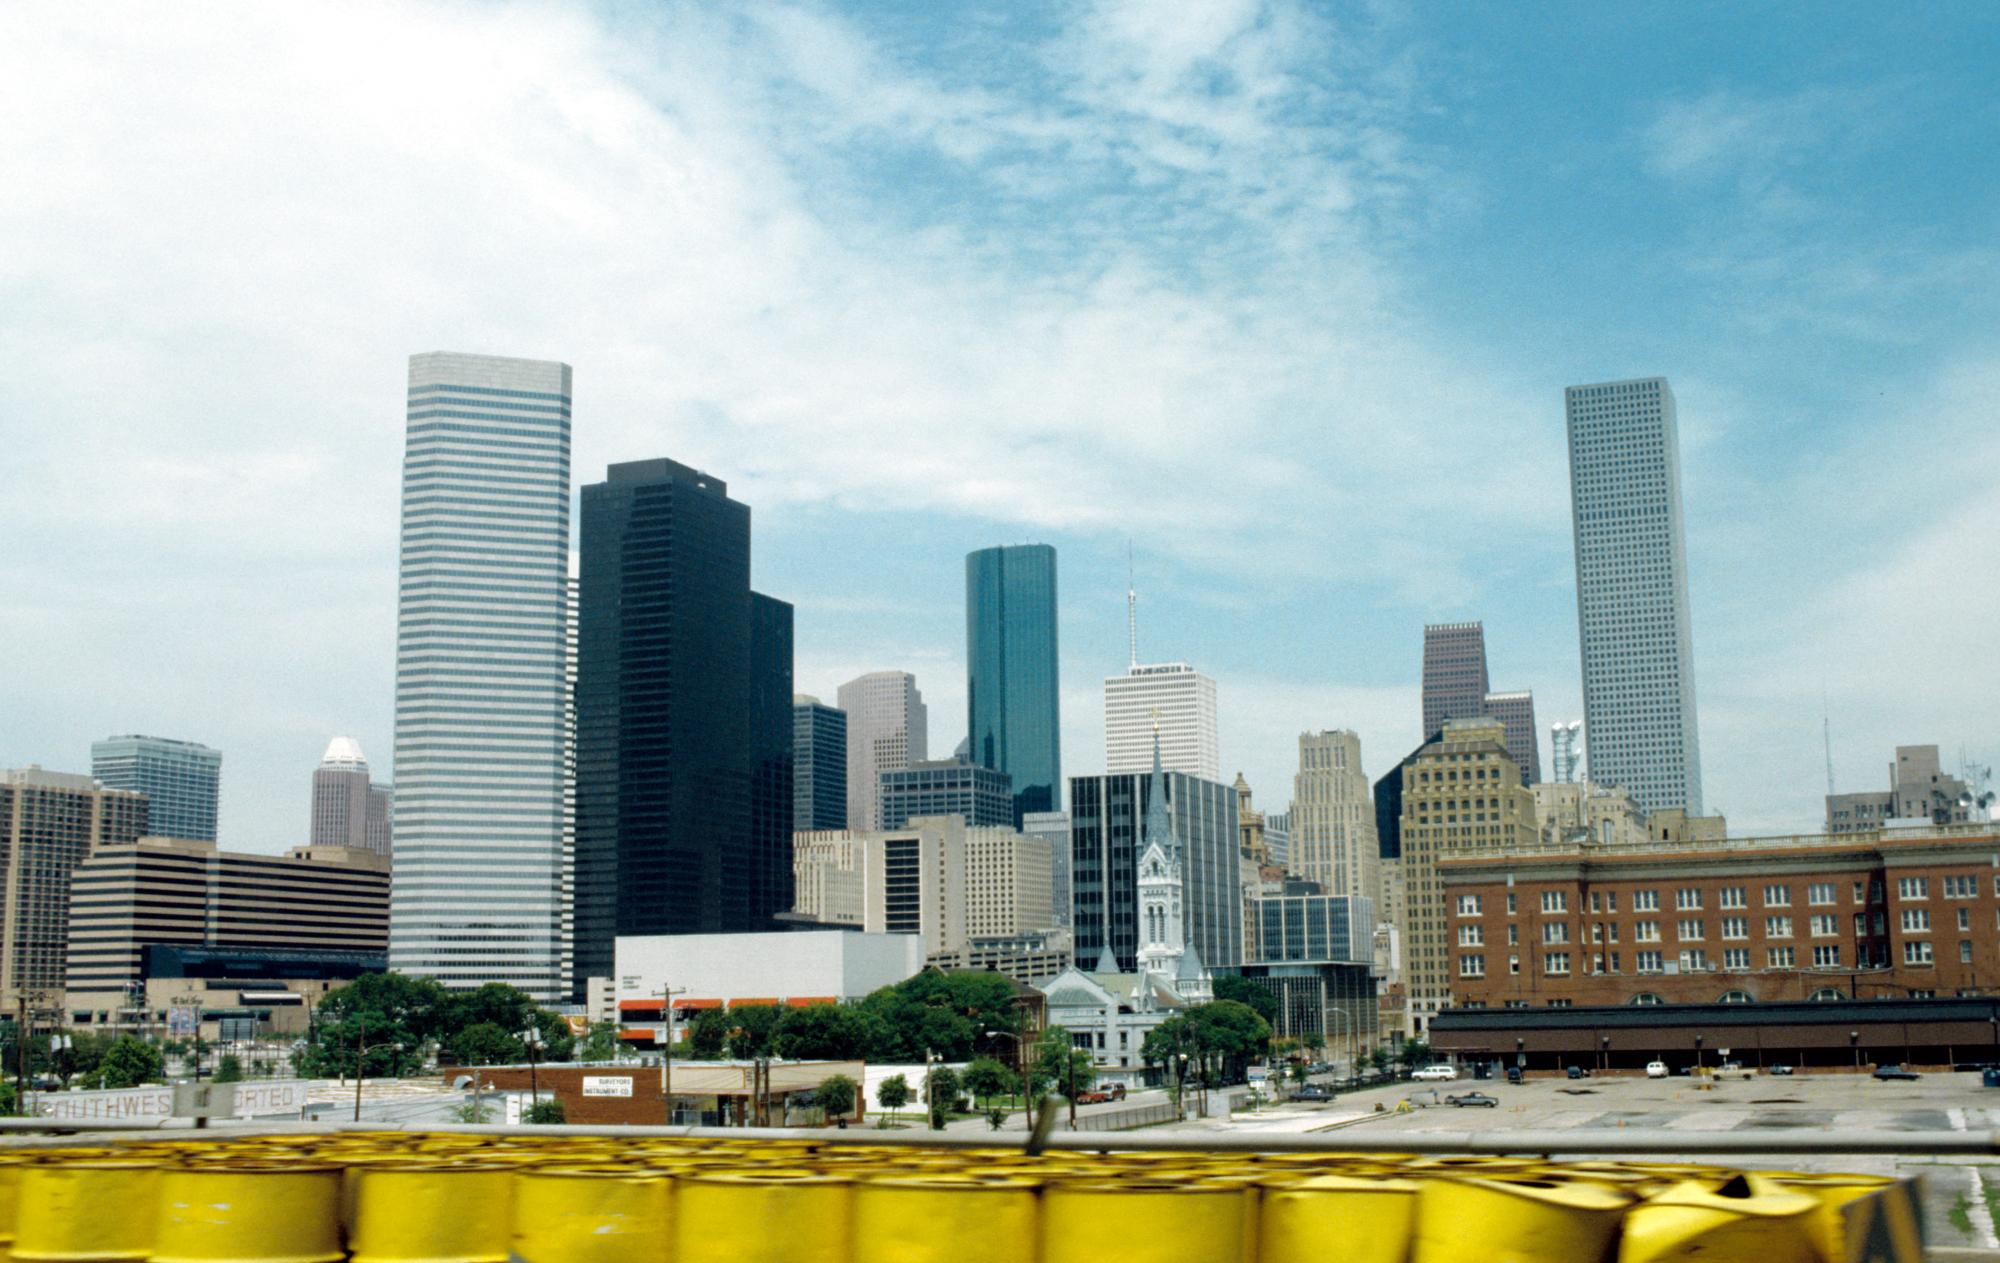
[1099,1096]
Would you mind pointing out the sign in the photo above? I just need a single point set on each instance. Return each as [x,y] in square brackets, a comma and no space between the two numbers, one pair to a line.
[183,1020]
[284,1096]
[607,1085]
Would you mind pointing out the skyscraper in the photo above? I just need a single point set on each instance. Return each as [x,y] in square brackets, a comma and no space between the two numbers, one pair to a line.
[1107,820]
[945,787]
[348,808]
[180,779]
[1173,698]
[684,717]
[887,729]
[1333,839]
[481,626]
[1012,692]
[1632,592]
[1516,713]
[1455,683]
[819,765]
[49,823]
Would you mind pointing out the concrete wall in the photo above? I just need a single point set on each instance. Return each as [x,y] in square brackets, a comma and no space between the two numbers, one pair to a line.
[816,964]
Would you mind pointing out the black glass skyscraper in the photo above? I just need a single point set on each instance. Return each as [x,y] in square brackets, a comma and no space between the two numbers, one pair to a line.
[1013,715]
[683,717]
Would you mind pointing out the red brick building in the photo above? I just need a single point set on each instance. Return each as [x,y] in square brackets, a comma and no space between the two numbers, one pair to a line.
[1893,913]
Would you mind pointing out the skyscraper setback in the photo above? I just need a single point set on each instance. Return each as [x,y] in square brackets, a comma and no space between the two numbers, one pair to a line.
[481,624]
[684,717]
[1012,688]
[1632,592]
[180,779]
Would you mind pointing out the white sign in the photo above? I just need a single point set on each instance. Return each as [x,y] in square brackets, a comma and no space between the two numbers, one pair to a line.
[284,1096]
[607,1085]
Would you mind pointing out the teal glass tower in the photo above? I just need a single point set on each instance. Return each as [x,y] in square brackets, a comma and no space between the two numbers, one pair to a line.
[1014,721]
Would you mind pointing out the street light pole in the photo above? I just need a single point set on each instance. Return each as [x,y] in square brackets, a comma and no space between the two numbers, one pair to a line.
[532,1037]
[667,994]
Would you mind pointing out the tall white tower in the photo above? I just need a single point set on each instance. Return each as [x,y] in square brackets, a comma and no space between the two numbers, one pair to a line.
[888,729]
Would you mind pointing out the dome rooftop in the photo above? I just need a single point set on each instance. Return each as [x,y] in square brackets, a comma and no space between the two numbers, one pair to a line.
[344,753]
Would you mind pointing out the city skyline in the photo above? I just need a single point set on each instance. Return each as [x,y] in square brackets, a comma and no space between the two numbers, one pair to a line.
[207,572]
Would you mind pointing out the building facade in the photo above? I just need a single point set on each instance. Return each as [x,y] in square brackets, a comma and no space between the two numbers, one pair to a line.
[1455,681]
[1461,793]
[819,765]
[1106,817]
[1884,914]
[49,822]
[1919,789]
[1304,928]
[131,896]
[887,729]
[1053,827]
[180,779]
[945,787]
[481,677]
[1632,592]
[349,808]
[684,791]
[1333,840]
[1013,689]
[1171,699]
[1578,813]
[1516,713]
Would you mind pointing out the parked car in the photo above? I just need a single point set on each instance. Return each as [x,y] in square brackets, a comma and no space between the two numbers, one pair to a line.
[1513,1074]
[1777,1070]
[1099,1096]
[1656,1070]
[1312,1092]
[1886,1073]
[1437,1072]
[1476,1099]
[1579,1072]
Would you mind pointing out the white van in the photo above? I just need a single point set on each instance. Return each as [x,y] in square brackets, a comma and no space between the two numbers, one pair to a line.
[1436,1073]
[1656,1070]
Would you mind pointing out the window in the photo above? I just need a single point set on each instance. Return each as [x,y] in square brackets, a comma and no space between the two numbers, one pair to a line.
[1613,935]
[1733,897]
[1820,892]
[1555,901]
[1559,1004]
[1694,958]
[1513,936]
[1858,887]
[1917,952]
[1614,962]
[1965,951]
[1687,898]
[1611,901]
[1736,927]
[1916,920]
[1777,896]
[1511,908]
[1962,887]
[1913,888]
[1513,964]
[1736,958]
[1825,925]
[1470,905]
[1555,963]
[1780,958]
[1555,932]
[1645,998]
[1827,995]
[1471,936]
[1597,931]
[1736,997]
[1688,930]
[1645,901]
[1777,927]
[1826,956]
[1472,966]
[1517,1004]
[1964,919]
[1650,963]
[1646,932]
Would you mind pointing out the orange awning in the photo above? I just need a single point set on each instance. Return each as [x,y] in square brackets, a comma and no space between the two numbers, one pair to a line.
[754,1002]
[697,1004]
[638,1006]
[801,1001]
[639,1035]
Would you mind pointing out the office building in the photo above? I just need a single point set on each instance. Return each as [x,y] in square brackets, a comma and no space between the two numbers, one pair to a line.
[1919,790]
[128,898]
[481,675]
[180,779]
[1013,690]
[684,793]
[819,765]
[1053,827]
[1632,592]
[49,821]
[1455,681]
[1171,699]
[944,787]
[887,730]
[349,808]
[1106,820]
[1516,713]
[1333,838]
[1315,955]
[1461,793]
[1578,813]
[1278,837]
[1893,914]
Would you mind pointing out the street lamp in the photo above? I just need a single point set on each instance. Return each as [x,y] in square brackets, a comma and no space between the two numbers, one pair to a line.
[532,1038]
[1180,1097]
[1854,1042]
[1603,1053]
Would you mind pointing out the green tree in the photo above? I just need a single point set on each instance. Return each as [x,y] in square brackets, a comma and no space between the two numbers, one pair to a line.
[396,1015]
[129,1063]
[601,1044]
[830,1032]
[1059,1066]
[894,1093]
[513,1011]
[547,1113]
[986,1078]
[1380,1058]
[944,1014]
[1246,991]
[708,1035]
[229,1069]
[1413,1052]
[941,1088]
[1231,1036]
[753,1030]
[486,1044]
[835,1096]
[475,1110]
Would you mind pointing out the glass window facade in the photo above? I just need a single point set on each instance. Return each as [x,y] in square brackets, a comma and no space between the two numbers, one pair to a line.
[1012,689]
[946,787]
[180,779]
[1105,817]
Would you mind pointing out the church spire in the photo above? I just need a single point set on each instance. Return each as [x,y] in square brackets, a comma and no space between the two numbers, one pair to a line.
[1156,828]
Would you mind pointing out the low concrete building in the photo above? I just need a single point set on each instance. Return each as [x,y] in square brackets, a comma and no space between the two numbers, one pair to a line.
[705,1093]
[1919,790]
[797,967]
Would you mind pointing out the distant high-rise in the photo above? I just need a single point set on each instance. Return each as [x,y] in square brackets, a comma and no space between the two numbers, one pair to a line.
[348,809]
[180,780]
[1455,683]
[1107,817]
[819,765]
[481,687]
[887,729]
[1632,592]
[49,823]
[1332,827]
[1173,698]
[1012,691]
[1053,827]
[684,717]
[1516,713]
[945,787]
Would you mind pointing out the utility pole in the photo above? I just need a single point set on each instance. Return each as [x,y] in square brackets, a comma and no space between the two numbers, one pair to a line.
[667,994]
[360,1060]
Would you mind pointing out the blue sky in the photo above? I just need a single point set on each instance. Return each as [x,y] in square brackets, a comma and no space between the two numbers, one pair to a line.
[1283,294]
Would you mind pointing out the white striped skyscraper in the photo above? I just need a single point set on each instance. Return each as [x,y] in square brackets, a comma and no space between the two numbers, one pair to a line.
[1632,592]
[481,667]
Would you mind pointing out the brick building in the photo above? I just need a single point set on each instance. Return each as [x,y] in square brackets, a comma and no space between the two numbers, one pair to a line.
[1908,913]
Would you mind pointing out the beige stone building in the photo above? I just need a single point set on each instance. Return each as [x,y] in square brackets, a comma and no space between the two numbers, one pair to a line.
[1333,839]
[49,821]
[1582,814]
[1462,795]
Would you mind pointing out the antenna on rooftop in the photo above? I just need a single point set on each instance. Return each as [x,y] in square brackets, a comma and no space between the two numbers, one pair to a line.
[1826,732]
[1131,607]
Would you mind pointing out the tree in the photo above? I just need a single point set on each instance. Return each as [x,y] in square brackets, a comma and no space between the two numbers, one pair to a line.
[1413,1052]
[753,1030]
[486,1044]
[708,1034]
[894,1093]
[1246,991]
[129,1063]
[943,1014]
[986,1078]
[229,1069]
[835,1096]
[1380,1058]
[1058,1065]
[832,1032]
[601,1044]
[1230,1036]
[396,1014]
[941,1088]
[548,1113]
